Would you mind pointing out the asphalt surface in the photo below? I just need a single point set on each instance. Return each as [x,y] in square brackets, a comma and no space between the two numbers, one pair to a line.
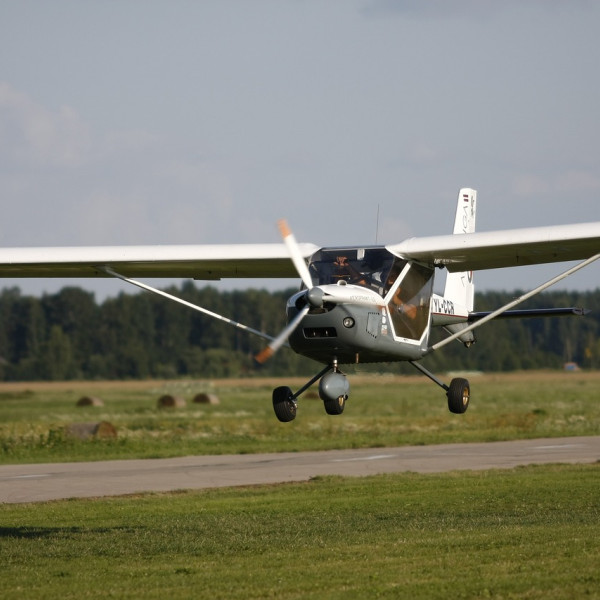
[42,482]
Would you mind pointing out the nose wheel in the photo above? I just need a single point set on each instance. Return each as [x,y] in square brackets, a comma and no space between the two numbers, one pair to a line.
[335,406]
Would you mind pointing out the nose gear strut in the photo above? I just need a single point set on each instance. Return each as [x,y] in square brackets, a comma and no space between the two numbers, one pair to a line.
[333,390]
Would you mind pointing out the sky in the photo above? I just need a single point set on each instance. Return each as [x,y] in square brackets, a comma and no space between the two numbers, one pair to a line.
[193,122]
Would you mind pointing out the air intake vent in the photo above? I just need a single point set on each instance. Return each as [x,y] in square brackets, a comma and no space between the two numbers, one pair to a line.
[320,332]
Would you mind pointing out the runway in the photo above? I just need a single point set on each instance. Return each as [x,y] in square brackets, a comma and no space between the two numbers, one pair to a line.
[43,482]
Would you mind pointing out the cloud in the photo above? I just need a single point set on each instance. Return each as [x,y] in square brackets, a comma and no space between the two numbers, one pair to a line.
[33,134]
[429,8]
[579,181]
[102,186]
[392,230]
[118,142]
[573,181]
[450,9]
[423,153]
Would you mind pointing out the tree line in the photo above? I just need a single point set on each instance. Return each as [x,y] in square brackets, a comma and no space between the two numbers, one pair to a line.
[68,335]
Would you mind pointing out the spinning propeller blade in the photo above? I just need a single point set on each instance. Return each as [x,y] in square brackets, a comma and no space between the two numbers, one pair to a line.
[267,352]
[295,254]
[301,267]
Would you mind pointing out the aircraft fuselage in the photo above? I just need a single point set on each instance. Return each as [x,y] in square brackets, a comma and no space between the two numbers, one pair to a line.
[374,307]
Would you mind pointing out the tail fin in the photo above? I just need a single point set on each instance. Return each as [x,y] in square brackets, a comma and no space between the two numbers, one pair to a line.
[459,286]
[466,206]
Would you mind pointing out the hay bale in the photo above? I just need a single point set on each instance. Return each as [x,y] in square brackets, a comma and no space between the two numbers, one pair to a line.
[203,398]
[169,401]
[85,431]
[89,401]
[105,430]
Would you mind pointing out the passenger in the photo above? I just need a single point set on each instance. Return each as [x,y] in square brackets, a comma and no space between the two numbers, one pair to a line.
[402,307]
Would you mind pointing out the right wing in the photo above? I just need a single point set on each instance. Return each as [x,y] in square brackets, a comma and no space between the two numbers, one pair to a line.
[208,262]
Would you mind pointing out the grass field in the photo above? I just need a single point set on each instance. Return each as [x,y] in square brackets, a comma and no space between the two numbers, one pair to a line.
[527,533]
[382,411]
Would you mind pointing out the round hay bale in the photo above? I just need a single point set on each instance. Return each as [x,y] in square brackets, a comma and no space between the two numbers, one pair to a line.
[203,398]
[105,430]
[85,431]
[169,401]
[89,401]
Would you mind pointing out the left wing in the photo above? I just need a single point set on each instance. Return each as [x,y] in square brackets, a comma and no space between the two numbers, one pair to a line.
[196,262]
[509,248]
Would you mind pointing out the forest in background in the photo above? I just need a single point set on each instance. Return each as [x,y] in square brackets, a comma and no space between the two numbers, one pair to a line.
[68,335]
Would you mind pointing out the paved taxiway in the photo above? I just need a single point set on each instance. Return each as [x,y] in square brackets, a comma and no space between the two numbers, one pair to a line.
[35,483]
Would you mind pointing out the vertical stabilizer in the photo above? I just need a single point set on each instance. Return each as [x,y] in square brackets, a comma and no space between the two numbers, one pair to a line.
[460,288]
[466,207]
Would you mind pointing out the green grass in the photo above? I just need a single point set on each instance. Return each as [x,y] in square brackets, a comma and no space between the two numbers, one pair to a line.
[382,411]
[531,532]
[527,533]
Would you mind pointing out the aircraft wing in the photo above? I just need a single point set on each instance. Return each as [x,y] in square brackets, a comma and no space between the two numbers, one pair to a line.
[193,261]
[509,248]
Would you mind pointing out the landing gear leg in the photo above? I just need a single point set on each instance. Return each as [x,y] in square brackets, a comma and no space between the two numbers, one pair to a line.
[284,400]
[333,390]
[458,392]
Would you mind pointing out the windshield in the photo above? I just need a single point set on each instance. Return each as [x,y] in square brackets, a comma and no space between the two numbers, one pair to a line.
[373,268]
[409,306]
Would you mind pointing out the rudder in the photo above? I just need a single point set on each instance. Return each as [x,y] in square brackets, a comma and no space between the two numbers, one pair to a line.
[460,288]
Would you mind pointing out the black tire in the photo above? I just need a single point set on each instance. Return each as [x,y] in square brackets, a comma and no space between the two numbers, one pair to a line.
[459,395]
[283,405]
[335,406]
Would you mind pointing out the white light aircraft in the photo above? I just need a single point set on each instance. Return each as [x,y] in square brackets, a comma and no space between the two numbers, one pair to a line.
[357,304]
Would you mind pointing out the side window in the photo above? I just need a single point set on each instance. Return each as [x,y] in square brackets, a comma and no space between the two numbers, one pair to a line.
[409,307]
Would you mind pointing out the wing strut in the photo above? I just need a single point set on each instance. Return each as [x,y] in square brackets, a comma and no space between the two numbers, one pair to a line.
[510,305]
[154,290]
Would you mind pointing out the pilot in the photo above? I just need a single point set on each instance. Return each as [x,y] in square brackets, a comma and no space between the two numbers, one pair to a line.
[345,270]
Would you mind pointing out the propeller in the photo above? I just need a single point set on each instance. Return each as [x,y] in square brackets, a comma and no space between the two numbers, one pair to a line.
[292,246]
[266,353]
[314,296]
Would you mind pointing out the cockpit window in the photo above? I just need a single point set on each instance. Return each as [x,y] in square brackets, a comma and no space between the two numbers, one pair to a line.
[374,268]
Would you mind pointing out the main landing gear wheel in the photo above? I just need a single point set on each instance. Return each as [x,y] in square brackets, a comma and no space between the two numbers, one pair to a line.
[335,406]
[283,404]
[459,394]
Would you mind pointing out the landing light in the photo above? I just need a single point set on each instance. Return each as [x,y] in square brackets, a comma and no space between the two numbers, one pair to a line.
[348,322]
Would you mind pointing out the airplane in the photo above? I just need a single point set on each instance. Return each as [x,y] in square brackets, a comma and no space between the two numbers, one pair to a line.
[356,304]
